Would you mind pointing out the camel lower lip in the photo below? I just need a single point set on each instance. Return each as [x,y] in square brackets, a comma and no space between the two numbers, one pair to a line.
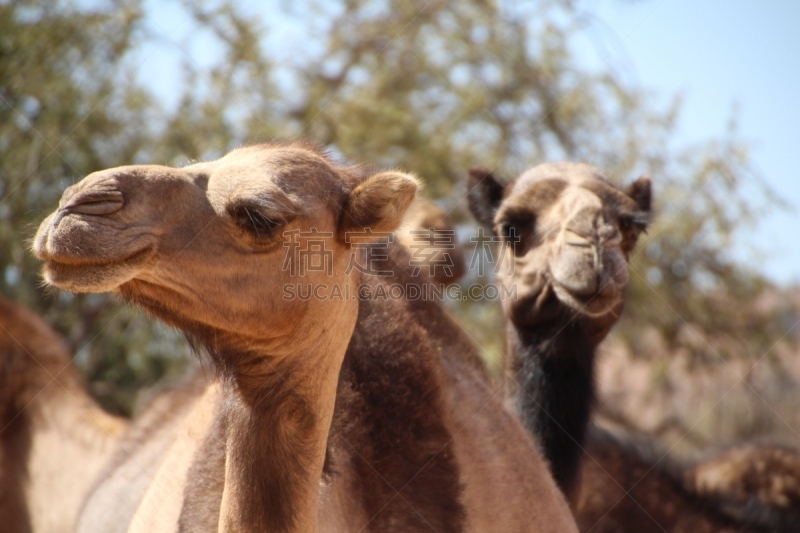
[597,302]
[95,276]
[589,298]
[80,262]
[585,299]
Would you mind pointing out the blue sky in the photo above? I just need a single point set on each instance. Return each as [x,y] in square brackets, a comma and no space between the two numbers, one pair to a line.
[716,53]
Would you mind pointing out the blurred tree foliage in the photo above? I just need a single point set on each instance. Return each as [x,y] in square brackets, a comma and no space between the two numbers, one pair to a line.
[433,87]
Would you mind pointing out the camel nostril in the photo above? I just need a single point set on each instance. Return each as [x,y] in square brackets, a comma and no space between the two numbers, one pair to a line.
[95,203]
[578,240]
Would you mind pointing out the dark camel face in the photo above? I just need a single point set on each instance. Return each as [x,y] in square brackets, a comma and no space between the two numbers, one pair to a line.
[205,245]
[568,233]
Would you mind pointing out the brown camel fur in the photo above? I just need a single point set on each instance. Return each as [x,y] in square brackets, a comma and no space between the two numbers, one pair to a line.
[54,439]
[568,233]
[431,239]
[631,487]
[328,413]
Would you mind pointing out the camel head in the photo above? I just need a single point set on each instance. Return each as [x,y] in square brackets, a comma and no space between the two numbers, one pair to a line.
[211,246]
[566,236]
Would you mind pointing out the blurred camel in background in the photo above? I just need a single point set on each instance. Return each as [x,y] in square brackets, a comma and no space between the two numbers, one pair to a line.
[54,438]
[431,238]
[567,237]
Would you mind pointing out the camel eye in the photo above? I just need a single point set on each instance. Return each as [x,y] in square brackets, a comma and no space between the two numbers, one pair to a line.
[632,222]
[255,222]
[515,231]
[509,232]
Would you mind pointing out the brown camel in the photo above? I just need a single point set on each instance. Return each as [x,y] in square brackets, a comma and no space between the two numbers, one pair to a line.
[338,410]
[54,439]
[630,486]
[567,236]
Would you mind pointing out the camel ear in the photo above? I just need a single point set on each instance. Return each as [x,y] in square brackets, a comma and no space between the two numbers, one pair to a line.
[378,203]
[639,190]
[484,194]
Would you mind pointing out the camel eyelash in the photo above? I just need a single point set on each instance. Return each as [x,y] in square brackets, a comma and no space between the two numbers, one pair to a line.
[636,221]
[255,222]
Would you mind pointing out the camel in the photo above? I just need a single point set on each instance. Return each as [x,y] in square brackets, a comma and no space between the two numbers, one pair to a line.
[330,410]
[629,485]
[44,407]
[751,483]
[567,237]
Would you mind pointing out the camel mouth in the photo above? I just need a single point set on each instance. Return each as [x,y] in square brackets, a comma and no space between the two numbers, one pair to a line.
[93,275]
[594,304]
[88,262]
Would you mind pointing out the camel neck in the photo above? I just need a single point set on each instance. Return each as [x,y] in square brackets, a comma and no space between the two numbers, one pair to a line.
[552,365]
[278,418]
